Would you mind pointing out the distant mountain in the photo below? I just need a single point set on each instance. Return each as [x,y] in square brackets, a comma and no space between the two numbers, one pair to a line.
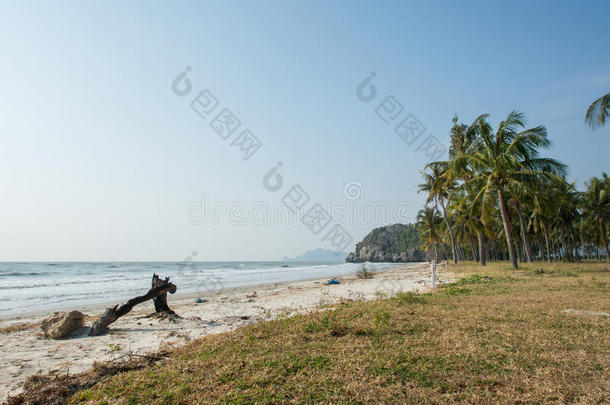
[393,243]
[318,255]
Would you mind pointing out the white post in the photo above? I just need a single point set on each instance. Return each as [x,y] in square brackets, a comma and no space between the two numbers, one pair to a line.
[433,269]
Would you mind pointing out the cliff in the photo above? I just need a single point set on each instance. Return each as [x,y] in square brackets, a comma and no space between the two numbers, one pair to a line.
[393,243]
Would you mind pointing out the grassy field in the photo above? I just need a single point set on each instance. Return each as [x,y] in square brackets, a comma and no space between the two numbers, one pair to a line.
[496,335]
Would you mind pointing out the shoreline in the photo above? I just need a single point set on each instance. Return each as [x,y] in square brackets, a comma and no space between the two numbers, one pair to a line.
[100,306]
[110,301]
[26,354]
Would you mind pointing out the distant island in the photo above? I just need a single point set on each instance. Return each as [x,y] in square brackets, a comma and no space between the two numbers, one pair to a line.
[392,243]
[318,255]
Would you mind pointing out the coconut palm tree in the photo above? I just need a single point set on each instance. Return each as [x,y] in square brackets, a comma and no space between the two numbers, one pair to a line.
[541,218]
[566,217]
[461,137]
[465,222]
[598,111]
[438,186]
[596,208]
[468,212]
[429,223]
[519,198]
[507,158]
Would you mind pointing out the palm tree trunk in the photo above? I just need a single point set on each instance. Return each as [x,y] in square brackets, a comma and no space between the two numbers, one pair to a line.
[546,239]
[567,255]
[481,248]
[435,252]
[472,249]
[507,233]
[453,250]
[574,245]
[604,240]
[558,248]
[526,243]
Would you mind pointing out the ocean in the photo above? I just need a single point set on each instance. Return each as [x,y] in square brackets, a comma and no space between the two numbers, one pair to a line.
[35,287]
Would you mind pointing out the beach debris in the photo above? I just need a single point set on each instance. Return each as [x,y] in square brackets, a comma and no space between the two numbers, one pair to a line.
[333,281]
[160,287]
[200,300]
[57,388]
[59,325]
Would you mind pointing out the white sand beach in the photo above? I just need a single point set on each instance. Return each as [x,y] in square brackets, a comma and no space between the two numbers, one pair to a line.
[25,352]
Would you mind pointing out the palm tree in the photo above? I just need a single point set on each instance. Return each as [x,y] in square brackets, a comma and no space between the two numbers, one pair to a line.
[507,158]
[519,197]
[596,207]
[469,212]
[464,221]
[598,111]
[566,217]
[462,137]
[429,222]
[543,207]
[438,186]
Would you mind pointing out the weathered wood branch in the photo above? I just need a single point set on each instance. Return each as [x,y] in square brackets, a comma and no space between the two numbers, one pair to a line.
[100,326]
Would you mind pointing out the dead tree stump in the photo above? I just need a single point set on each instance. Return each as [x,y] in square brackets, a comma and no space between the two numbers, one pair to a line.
[100,326]
[160,301]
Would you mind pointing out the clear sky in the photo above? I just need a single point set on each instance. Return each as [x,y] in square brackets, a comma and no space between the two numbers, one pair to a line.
[100,160]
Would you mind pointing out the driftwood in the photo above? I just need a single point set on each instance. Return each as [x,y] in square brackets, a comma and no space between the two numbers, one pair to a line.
[160,301]
[162,287]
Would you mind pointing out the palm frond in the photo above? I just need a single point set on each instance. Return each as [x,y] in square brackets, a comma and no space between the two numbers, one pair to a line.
[598,112]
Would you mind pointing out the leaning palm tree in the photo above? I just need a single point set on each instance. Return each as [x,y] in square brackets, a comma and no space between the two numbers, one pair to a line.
[429,223]
[507,158]
[438,186]
[598,112]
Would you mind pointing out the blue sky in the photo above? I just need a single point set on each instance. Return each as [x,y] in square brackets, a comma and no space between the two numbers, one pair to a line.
[99,160]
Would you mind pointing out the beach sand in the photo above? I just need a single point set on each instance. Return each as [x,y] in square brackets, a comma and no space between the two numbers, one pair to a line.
[24,352]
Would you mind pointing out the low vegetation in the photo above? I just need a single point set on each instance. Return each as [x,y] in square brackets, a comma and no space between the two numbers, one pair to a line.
[494,335]
[364,274]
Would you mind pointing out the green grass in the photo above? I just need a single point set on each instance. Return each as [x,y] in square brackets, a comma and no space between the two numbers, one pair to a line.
[495,335]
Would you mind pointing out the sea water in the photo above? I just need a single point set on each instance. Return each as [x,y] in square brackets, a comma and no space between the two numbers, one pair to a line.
[36,287]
